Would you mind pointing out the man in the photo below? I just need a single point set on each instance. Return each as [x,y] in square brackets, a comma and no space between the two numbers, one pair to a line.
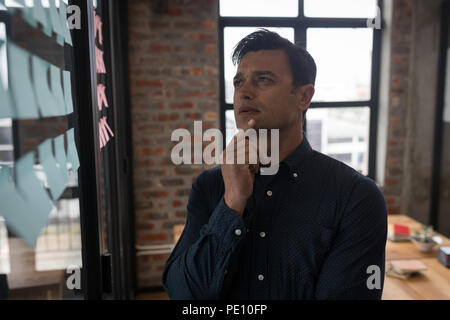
[314,230]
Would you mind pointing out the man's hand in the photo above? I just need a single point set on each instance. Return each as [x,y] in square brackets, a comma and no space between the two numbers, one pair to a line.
[239,178]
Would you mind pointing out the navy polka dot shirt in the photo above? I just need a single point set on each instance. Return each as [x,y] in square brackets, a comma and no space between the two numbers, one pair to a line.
[315,230]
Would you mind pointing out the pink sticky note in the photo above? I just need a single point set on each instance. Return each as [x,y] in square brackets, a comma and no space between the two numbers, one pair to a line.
[105,125]
[101,137]
[98,27]
[99,61]
[101,96]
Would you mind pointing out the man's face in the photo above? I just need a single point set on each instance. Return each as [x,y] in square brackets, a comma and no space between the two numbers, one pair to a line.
[264,91]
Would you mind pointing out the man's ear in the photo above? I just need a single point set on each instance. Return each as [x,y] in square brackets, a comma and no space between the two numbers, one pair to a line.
[304,95]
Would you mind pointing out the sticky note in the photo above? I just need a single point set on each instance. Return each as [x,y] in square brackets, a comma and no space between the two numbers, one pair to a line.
[40,14]
[16,211]
[45,99]
[98,28]
[55,20]
[6,106]
[99,62]
[64,24]
[20,84]
[38,203]
[56,180]
[68,92]
[57,91]
[27,13]
[72,153]
[101,96]
[60,156]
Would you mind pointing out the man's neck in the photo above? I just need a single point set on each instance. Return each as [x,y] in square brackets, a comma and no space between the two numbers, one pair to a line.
[289,142]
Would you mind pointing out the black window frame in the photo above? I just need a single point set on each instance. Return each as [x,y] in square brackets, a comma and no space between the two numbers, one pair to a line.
[300,24]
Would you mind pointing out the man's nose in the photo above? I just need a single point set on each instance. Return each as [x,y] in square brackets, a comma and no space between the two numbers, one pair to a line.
[246,91]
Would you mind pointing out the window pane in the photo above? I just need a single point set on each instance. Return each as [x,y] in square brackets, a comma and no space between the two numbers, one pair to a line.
[231,36]
[230,126]
[341,8]
[341,133]
[344,61]
[259,8]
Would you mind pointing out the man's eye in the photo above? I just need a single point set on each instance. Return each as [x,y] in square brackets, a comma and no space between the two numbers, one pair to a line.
[237,82]
[264,79]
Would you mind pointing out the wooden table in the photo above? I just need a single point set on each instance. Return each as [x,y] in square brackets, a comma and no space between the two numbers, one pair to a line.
[433,283]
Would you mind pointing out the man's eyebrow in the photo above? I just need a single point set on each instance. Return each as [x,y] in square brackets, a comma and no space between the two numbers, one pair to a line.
[265,72]
[257,73]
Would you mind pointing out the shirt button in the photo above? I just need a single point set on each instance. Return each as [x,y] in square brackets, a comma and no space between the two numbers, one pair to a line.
[260,277]
[237,232]
[262,234]
[269,193]
[226,271]
[295,174]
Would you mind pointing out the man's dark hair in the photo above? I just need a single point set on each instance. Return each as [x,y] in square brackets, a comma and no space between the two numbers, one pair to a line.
[302,64]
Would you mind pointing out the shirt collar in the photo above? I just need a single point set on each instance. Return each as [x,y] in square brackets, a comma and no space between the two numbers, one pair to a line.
[296,157]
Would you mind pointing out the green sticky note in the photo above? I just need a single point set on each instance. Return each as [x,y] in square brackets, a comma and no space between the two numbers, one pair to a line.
[20,85]
[45,99]
[72,154]
[60,155]
[68,92]
[34,194]
[56,179]
[6,106]
[16,211]
[55,81]
[63,17]
[40,14]
[27,12]
[55,20]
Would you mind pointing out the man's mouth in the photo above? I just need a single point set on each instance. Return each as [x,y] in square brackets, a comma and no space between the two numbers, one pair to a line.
[244,111]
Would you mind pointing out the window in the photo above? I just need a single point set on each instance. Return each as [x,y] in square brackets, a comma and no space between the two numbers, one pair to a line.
[341,121]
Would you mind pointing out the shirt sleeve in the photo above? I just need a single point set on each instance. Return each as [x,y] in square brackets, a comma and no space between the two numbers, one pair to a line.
[197,267]
[354,267]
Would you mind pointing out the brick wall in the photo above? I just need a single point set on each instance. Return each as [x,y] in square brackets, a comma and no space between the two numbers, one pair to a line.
[415,34]
[401,43]
[173,62]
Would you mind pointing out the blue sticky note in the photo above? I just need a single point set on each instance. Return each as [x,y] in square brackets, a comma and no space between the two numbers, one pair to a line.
[63,17]
[56,180]
[72,154]
[6,106]
[55,20]
[20,85]
[16,211]
[55,81]
[60,156]
[27,12]
[40,14]
[68,92]
[46,102]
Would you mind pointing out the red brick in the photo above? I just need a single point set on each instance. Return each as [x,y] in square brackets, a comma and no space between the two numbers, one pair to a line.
[148,83]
